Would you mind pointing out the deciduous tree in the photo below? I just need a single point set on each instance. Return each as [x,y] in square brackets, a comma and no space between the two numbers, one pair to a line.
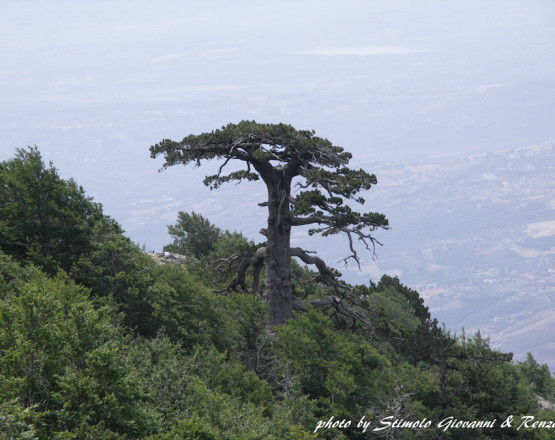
[193,235]
[43,218]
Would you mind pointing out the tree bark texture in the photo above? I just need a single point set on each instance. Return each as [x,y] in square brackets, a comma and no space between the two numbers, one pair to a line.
[278,292]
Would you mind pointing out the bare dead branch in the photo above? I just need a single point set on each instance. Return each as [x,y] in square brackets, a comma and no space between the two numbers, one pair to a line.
[228,261]
[222,166]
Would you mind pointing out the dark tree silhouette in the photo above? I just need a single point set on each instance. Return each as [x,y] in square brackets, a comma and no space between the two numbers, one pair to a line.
[283,158]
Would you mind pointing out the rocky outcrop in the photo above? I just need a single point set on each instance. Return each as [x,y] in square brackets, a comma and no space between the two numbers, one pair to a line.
[545,404]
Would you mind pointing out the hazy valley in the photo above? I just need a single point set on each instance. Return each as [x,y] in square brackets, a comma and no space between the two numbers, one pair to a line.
[475,236]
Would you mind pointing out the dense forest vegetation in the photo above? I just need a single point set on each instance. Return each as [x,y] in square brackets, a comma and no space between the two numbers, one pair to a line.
[99,341]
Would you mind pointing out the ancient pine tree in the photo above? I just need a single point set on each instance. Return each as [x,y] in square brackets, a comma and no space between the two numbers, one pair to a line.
[308,183]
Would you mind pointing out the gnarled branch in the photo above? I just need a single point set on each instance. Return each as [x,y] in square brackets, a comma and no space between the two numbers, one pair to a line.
[326,273]
[256,261]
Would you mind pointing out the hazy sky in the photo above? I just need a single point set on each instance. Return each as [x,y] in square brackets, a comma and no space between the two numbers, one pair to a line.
[95,83]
